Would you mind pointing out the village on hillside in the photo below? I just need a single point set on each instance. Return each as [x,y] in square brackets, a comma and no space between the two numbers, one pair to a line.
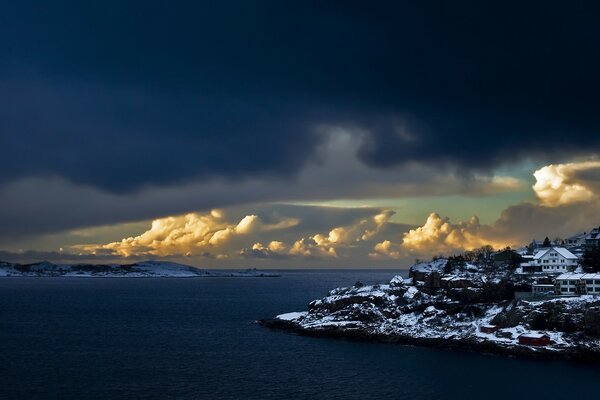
[568,267]
[542,300]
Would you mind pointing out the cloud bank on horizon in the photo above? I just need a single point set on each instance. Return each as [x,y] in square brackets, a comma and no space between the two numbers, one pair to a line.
[117,113]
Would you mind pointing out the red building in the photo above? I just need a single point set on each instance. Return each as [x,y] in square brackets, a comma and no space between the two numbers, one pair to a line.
[534,339]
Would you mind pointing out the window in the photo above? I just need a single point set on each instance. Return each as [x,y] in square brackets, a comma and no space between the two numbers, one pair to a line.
[565,282]
[589,282]
[564,289]
[571,289]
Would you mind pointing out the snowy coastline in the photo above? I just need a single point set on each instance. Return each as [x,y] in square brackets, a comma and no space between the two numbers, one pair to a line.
[470,310]
[144,269]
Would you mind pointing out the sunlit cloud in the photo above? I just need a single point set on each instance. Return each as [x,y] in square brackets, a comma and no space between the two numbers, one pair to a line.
[562,184]
[438,235]
[188,234]
[324,245]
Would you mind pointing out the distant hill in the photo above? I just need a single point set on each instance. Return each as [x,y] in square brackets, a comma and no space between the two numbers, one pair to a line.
[143,269]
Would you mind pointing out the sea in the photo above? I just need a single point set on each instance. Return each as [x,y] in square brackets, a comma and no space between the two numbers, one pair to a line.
[196,338]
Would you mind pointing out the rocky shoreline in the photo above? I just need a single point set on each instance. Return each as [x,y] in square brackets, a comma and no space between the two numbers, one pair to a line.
[464,307]
[579,355]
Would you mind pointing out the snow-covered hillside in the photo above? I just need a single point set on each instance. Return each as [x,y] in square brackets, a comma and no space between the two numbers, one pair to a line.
[143,269]
[453,310]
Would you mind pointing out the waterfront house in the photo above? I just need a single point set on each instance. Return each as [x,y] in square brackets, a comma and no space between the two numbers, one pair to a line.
[534,339]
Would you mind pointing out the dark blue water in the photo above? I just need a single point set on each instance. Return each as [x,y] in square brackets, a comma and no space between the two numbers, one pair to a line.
[194,338]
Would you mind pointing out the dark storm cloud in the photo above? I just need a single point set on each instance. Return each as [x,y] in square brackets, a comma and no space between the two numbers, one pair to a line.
[121,95]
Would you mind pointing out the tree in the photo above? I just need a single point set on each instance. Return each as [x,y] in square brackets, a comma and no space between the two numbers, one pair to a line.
[591,259]
[546,242]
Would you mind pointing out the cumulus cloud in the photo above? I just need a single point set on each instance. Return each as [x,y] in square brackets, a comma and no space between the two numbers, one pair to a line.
[275,249]
[439,235]
[562,184]
[325,245]
[188,234]
[387,249]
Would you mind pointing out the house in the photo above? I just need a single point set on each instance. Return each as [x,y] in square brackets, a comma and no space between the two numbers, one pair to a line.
[551,260]
[506,257]
[542,289]
[576,240]
[592,239]
[577,284]
[534,339]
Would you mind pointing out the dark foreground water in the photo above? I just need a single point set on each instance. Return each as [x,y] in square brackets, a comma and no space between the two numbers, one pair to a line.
[194,338]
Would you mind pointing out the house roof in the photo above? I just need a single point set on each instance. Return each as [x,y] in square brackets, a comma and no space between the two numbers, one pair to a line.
[532,335]
[578,236]
[564,252]
[576,277]
[560,250]
[594,234]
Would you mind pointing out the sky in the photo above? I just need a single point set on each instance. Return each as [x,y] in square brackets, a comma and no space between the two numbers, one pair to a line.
[307,134]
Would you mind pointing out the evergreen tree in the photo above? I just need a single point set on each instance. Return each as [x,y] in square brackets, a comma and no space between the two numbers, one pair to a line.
[546,242]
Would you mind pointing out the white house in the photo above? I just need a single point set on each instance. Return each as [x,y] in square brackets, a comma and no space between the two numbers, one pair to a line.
[576,284]
[551,260]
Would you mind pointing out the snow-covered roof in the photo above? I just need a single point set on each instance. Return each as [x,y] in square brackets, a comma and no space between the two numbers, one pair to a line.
[532,335]
[564,252]
[594,234]
[560,250]
[576,277]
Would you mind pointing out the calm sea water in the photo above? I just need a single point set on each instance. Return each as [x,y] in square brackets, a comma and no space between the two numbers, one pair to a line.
[194,339]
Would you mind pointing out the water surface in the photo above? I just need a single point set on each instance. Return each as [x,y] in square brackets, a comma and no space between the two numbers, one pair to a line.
[194,338]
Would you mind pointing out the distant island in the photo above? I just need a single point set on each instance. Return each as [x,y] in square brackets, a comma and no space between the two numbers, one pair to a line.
[143,269]
[538,301]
